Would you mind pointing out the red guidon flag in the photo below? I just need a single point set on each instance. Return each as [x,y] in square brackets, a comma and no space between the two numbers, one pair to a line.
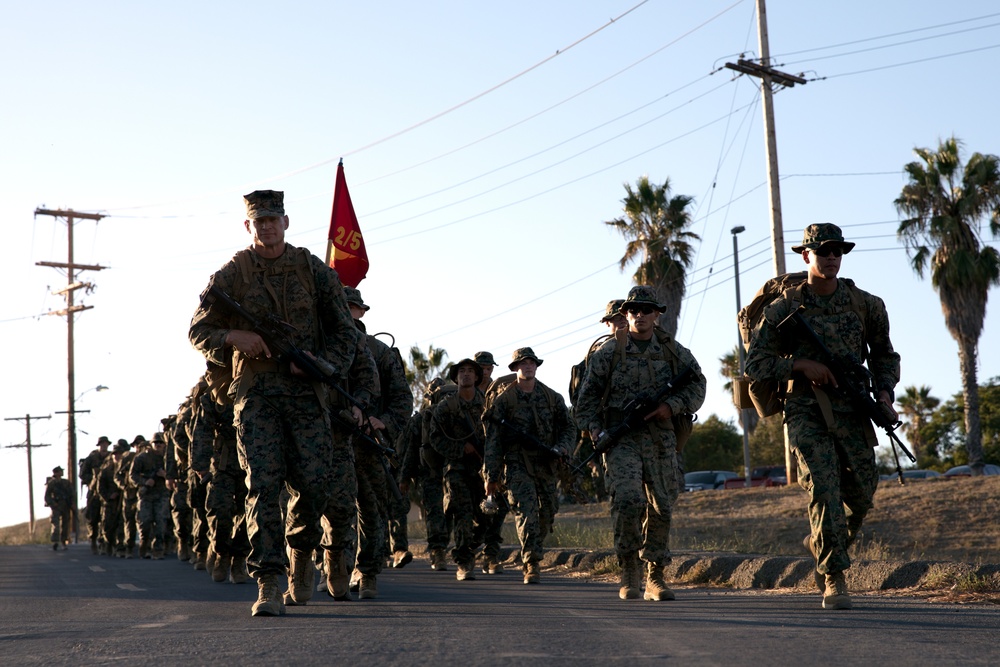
[345,250]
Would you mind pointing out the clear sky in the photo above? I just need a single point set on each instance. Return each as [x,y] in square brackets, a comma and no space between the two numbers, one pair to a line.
[484,144]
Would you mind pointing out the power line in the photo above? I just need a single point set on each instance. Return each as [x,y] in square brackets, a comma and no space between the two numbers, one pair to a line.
[909,62]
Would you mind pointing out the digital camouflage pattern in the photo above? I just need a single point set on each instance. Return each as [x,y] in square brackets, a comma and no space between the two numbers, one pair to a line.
[641,471]
[59,498]
[130,502]
[283,426]
[528,474]
[263,203]
[112,528]
[836,462]
[153,514]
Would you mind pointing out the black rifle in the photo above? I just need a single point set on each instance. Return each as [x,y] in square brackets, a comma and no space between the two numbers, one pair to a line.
[853,383]
[528,438]
[633,416]
[275,332]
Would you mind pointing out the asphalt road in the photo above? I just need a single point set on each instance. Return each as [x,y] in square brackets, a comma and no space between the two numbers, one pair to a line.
[71,607]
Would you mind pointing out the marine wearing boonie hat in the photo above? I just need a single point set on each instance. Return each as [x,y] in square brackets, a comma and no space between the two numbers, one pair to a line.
[613,308]
[642,295]
[453,371]
[353,295]
[120,447]
[816,235]
[157,439]
[522,353]
[484,359]
[265,203]
[103,440]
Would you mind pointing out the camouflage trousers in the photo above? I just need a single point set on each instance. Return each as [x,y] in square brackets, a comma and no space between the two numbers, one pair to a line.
[432,496]
[284,440]
[837,468]
[92,513]
[61,519]
[398,529]
[641,473]
[463,491]
[130,519]
[153,515]
[342,510]
[373,502]
[225,510]
[196,497]
[180,510]
[534,499]
[112,528]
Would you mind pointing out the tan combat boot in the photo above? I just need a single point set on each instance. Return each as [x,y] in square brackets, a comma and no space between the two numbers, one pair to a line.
[268,598]
[532,574]
[301,577]
[238,570]
[199,560]
[491,566]
[835,596]
[466,571]
[183,552]
[367,588]
[337,579]
[656,587]
[439,561]
[220,569]
[818,576]
[210,560]
[630,579]
[401,558]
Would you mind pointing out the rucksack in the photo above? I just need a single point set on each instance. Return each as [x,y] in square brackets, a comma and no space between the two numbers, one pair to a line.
[767,397]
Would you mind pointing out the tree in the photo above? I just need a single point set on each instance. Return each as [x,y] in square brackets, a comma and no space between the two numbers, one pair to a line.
[945,206]
[944,431]
[917,405]
[714,445]
[423,369]
[767,444]
[655,226]
[729,368]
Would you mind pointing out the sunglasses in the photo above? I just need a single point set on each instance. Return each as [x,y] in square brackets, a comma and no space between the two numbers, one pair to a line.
[826,252]
[639,310]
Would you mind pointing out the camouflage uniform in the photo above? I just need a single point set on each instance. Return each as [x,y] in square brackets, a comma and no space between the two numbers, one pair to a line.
[59,498]
[89,467]
[175,433]
[130,498]
[154,501]
[112,529]
[641,468]
[282,423]
[836,461]
[529,475]
[432,483]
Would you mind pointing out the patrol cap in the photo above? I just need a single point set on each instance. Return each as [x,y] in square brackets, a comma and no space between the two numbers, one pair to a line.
[484,359]
[57,469]
[264,203]
[642,295]
[613,308]
[353,295]
[522,353]
[819,234]
[472,363]
[103,440]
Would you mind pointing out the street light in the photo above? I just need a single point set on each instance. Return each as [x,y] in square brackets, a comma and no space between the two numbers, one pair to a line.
[739,347]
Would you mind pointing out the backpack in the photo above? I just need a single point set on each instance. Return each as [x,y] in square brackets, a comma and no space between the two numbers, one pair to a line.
[767,397]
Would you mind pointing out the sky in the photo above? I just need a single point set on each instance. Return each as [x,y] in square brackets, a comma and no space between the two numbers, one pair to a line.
[484,147]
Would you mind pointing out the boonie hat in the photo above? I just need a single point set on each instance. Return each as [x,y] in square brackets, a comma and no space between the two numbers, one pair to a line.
[157,438]
[103,440]
[264,203]
[453,371]
[57,469]
[642,295]
[353,295]
[485,359]
[613,308]
[522,353]
[819,234]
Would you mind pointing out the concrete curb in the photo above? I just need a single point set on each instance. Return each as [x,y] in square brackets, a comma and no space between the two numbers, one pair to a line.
[731,570]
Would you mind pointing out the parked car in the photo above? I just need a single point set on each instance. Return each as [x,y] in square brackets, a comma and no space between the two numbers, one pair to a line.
[706,480]
[965,471]
[760,476]
[913,474]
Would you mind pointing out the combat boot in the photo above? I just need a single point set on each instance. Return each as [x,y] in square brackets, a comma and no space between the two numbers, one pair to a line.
[439,561]
[630,578]
[401,558]
[301,576]
[183,551]
[656,587]
[210,560]
[199,560]
[532,574]
[144,549]
[93,546]
[491,566]
[466,571]
[220,569]
[238,570]
[818,576]
[355,584]
[367,589]
[337,580]
[835,596]
[268,598]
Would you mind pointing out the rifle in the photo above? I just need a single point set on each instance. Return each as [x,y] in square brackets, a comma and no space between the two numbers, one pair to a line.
[853,383]
[634,413]
[275,334]
[529,438]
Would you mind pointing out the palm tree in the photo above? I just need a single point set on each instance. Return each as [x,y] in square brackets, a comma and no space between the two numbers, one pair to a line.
[917,405]
[729,368]
[655,225]
[423,368]
[944,206]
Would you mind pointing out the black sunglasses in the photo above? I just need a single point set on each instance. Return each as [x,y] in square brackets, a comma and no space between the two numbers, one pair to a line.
[642,310]
[826,252]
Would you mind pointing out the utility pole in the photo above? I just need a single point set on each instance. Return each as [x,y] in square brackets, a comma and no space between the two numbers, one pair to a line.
[769,76]
[28,446]
[71,286]
[744,413]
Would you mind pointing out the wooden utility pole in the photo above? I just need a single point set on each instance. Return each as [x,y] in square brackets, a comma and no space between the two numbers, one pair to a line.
[768,77]
[71,286]
[28,445]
